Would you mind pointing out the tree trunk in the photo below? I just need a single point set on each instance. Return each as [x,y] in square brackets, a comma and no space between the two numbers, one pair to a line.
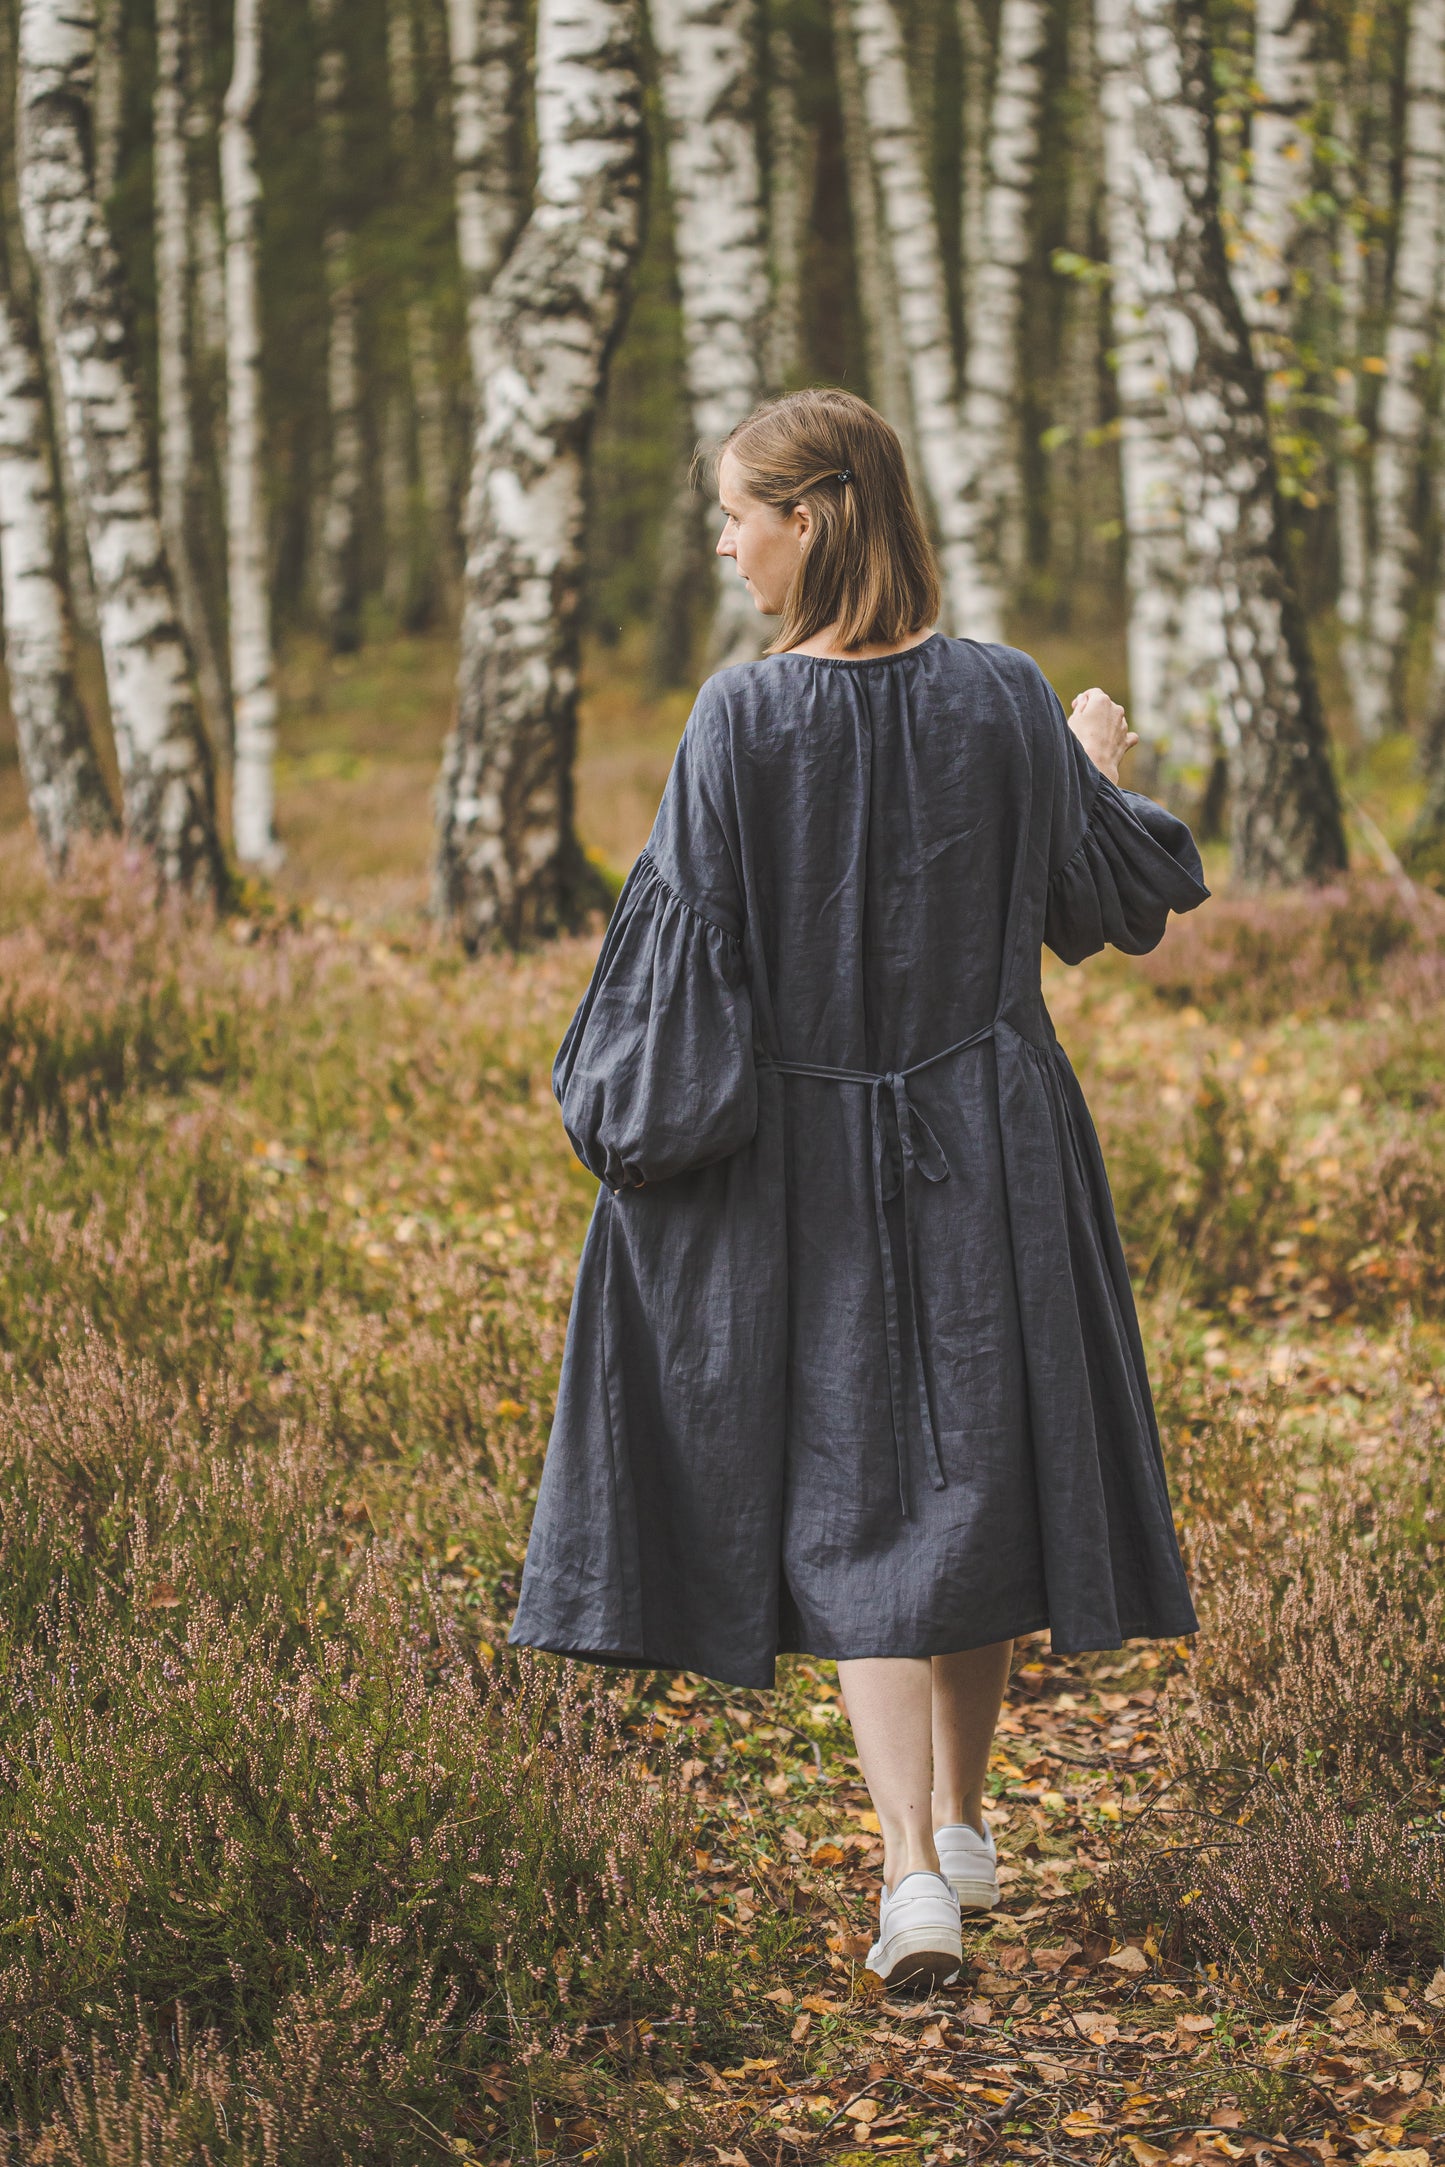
[485,47]
[1279,169]
[165,763]
[340,556]
[109,106]
[427,395]
[973,600]
[179,509]
[705,50]
[1350,509]
[253,668]
[1285,813]
[1402,422]
[990,410]
[977,65]
[878,301]
[790,195]
[508,863]
[1175,638]
[63,782]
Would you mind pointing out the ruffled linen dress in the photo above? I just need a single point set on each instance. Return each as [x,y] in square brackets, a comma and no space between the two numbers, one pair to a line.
[853,1366]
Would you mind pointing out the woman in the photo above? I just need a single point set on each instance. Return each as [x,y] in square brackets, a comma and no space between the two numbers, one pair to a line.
[853,1367]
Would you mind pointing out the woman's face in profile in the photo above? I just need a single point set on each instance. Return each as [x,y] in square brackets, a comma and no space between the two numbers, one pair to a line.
[766,545]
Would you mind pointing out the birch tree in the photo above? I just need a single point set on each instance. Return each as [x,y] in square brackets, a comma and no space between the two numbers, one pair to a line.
[790,188]
[1175,637]
[485,53]
[165,766]
[340,571]
[972,592]
[990,412]
[1285,89]
[1285,814]
[64,786]
[508,864]
[976,61]
[178,463]
[705,50]
[1349,478]
[253,668]
[878,300]
[1401,425]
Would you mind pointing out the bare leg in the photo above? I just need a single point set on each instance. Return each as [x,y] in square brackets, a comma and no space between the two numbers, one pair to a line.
[968,1692]
[889,1700]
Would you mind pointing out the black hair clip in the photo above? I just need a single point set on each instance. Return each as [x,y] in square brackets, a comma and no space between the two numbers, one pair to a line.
[844,474]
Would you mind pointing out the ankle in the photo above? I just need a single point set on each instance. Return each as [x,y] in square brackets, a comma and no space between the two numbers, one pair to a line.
[917,1854]
[959,1813]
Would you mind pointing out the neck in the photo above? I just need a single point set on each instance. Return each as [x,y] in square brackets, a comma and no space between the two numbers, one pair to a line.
[827,642]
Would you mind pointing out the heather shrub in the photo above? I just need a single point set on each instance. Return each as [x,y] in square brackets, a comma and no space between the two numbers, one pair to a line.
[1307,1741]
[1304,951]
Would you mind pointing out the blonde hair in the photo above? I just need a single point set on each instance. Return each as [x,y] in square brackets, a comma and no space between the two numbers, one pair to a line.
[869,567]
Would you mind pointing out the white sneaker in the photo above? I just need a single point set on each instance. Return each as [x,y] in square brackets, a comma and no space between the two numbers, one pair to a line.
[919,1937]
[969,1863]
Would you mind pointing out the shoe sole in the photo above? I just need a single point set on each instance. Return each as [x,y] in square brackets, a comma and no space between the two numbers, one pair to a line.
[917,1959]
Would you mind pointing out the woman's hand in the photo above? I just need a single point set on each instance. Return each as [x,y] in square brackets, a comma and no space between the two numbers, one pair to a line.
[1100,726]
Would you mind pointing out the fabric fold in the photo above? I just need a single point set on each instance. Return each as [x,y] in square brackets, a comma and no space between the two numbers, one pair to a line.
[655,1076]
[1133,865]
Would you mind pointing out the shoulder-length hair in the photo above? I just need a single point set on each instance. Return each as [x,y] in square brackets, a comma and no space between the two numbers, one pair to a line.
[868,568]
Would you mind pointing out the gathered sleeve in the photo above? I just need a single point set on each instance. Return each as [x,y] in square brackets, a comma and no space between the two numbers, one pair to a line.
[1121,863]
[656,1074]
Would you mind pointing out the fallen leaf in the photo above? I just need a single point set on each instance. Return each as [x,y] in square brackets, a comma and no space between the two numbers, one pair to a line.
[863,2110]
[1413,2155]
[822,2005]
[866,1818]
[1096,2024]
[782,1995]
[826,1854]
[1128,1958]
[1081,2122]
[164,1596]
[1193,2024]
[800,2027]
[1146,2155]
[1435,1991]
[1348,2001]
[1055,1958]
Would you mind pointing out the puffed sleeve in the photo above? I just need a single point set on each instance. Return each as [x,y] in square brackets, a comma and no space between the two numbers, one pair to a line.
[656,1074]
[1121,863]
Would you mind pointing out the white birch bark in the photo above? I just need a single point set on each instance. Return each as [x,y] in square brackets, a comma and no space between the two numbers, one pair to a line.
[428,395]
[1350,508]
[1175,638]
[973,598]
[485,58]
[990,409]
[977,65]
[1285,815]
[1402,420]
[165,765]
[1285,89]
[877,298]
[109,104]
[790,191]
[253,666]
[339,585]
[178,472]
[508,864]
[63,783]
[705,52]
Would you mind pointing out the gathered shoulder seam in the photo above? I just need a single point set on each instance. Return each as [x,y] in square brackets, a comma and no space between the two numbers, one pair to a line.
[683,904]
[1100,788]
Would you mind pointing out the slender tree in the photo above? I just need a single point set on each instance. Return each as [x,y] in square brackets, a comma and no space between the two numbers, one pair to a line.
[790,175]
[1350,509]
[486,66]
[705,49]
[877,295]
[1285,813]
[990,410]
[1286,90]
[972,592]
[64,786]
[253,668]
[1401,425]
[977,65]
[339,583]
[165,765]
[179,467]
[428,397]
[1175,636]
[508,864]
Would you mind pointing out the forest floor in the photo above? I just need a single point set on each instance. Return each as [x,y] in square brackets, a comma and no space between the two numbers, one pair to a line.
[290,1198]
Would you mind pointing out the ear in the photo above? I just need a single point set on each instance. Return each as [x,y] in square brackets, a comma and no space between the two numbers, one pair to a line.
[801,521]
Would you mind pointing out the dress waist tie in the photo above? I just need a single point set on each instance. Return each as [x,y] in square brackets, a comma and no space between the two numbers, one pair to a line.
[917,1146]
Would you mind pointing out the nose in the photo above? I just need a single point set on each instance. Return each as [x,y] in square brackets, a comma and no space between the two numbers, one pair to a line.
[726,546]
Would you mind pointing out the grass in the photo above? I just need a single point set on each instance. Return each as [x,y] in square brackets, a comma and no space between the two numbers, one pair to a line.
[296,1863]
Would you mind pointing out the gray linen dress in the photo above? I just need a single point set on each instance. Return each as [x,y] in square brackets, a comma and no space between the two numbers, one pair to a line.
[853,1366]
